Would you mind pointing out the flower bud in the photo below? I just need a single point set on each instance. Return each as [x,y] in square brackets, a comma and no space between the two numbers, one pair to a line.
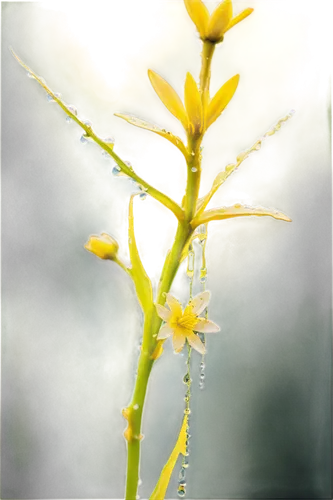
[104,246]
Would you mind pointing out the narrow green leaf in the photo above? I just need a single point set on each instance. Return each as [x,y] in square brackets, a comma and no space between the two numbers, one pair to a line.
[133,120]
[180,448]
[237,210]
[163,198]
[140,278]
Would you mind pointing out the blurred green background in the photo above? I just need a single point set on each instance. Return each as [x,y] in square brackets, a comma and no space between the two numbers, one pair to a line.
[261,428]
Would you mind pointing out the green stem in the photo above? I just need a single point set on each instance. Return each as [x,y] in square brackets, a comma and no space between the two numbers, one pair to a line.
[135,409]
[151,328]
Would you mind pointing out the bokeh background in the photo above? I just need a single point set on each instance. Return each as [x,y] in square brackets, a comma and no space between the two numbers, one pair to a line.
[71,324]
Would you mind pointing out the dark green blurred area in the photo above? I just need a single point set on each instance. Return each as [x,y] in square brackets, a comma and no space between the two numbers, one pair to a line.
[261,429]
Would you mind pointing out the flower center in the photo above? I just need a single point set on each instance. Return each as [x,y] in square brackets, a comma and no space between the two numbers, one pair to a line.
[187,321]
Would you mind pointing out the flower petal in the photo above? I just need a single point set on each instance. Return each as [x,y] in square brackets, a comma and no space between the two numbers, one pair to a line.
[199,14]
[237,19]
[176,308]
[219,21]
[165,332]
[221,100]
[196,343]
[200,302]
[168,96]
[193,104]
[206,326]
[163,312]
[178,340]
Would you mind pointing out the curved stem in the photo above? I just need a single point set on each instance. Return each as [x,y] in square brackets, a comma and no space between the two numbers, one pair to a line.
[133,413]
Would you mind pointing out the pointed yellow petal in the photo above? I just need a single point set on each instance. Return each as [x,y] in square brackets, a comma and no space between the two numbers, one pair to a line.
[168,96]
[219,21]
[178,340]
[237,210]
[237,19]
[174,305]
[153,128]
[199,14]
[221,100]
[196,343]
[163,312]
[200,302]
[193,104]
[158,350]
[165,332]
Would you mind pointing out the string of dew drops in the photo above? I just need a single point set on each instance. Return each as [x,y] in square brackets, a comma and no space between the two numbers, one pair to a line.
[181,491]
[84,138]
[203,234]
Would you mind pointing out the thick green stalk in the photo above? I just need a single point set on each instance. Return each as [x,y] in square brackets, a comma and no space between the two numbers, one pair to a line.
[152,324]
[133,412]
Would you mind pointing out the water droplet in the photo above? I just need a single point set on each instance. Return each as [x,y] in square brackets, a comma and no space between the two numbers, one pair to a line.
[139,482]
[57,95]
[106,155]
[68,119]
[187,379]
[137,497]
[201,148]
[49,97]
[187,398]
[181,491]
[257,145]
[128,163]
[116,170]
[194,169]
[182,482]
[143,196]
[241,156]
[193,153]
[182,474]
[185,463]
[187,411]
[83,139]
[202,365]
[30,75]
[229,167]
[42,80]
[203,274]
[87,123]
[201,385]
[202,376]
[136,407]
[72,109]
[109,140]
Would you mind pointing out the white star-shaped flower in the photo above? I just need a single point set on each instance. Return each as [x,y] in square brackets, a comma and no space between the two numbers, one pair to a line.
[182,325]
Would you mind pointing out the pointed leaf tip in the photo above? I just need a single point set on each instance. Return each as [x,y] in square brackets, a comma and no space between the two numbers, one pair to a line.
[193,104]
[221,100]
[199,14]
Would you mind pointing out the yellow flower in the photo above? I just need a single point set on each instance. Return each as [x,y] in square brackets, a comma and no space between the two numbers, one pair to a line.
[212,27]
[182,324]
[190,115]
[104,246]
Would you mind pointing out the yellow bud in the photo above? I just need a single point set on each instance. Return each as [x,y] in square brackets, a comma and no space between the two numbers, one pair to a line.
[199,14]
[219,21]
[104,246]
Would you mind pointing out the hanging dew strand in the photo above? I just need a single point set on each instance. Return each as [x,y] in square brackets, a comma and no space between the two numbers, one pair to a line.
[187,381]
[203,233]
